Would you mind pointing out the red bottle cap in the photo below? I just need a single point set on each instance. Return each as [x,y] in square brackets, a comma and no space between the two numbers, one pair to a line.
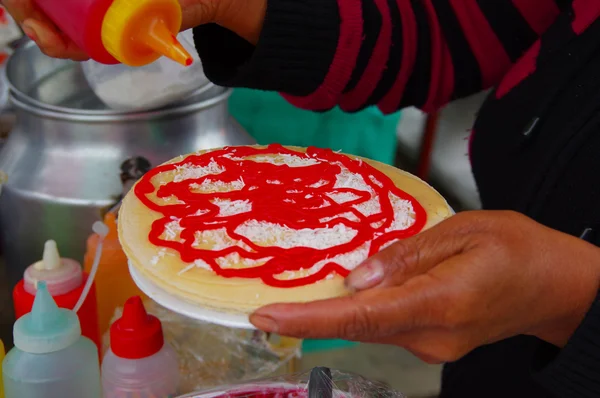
[136,334]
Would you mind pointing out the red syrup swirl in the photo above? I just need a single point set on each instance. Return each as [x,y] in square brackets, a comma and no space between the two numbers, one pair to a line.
[300,200]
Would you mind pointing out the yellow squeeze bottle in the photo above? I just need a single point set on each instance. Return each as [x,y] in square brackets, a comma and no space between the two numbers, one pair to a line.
[113,282]
[132,32]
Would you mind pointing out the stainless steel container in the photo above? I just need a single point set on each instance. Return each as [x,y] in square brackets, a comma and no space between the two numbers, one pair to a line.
[64,154]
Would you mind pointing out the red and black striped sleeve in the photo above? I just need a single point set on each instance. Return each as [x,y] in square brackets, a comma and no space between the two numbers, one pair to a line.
[390,53]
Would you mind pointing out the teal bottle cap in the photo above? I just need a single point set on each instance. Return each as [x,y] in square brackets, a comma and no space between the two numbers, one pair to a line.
[46,328]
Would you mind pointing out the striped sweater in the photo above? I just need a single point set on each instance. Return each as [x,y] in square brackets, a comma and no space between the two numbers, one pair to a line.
[535,144]
[390,53]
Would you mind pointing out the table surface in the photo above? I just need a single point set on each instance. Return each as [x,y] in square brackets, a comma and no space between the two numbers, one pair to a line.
[391,365]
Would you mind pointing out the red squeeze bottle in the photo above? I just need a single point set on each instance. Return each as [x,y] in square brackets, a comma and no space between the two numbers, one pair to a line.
[139,363]
[133,32]
[65,281]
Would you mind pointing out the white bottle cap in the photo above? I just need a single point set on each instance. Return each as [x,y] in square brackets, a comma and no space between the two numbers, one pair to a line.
[61,275]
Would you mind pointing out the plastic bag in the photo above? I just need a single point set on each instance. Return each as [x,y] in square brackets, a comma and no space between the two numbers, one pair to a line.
[211,355]
[318,383]
[158,84]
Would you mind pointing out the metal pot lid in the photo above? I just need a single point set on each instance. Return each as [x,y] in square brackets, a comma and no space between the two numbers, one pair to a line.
[213,97]
[59,85]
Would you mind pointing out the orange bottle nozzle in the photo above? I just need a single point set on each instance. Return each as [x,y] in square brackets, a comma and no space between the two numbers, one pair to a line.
[138,32]
[160,39]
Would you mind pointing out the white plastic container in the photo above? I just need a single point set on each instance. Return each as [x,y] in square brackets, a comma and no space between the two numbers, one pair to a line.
[139,363]
[156,85]
[50,359]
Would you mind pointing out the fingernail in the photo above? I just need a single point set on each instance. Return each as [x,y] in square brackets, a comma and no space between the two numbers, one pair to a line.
[29,32]
[366,276]
[264,323]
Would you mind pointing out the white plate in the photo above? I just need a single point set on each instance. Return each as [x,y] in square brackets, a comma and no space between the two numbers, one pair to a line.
[186,308]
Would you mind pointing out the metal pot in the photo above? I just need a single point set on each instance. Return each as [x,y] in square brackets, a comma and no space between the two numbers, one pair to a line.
[64,154]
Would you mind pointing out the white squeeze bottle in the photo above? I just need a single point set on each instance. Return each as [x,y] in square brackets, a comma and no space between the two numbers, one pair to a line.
[139,363]
[51,359]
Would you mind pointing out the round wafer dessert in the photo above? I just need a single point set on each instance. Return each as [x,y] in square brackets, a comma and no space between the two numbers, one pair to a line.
[236,228]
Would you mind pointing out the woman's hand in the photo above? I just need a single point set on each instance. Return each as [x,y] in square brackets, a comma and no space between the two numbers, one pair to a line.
[244,17]
[476,278]
[38,27]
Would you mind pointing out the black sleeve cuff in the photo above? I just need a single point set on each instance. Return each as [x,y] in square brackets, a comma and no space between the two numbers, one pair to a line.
[296,47]
[574,371]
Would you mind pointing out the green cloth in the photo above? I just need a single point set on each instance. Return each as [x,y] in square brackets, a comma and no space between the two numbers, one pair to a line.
[309,346]
[271,119]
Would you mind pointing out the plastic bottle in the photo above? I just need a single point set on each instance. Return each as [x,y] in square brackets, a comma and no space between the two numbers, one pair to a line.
[139,363]
[65,281]
[133,32]
[113,282]
[155,85]
[51,359]
[1,360]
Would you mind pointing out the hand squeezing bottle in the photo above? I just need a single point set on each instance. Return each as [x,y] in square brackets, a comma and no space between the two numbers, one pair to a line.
[51,359]
[132,32]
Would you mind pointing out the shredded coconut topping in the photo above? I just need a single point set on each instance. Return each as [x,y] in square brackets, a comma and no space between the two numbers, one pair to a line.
[268,233]
[234,260]
[285,237]
[173,230]
[230,208]
[192,172]
[287,159]
[210,185]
